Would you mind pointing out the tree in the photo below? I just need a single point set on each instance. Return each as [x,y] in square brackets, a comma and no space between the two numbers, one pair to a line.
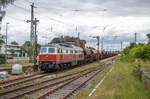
[127,49]
[2,58]
[2,42]
[12,51]
[27,44]
[26,47]
[14,43]
[148,36]
[5,2]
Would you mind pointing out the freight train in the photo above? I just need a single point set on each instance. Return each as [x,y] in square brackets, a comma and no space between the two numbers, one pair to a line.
[66,52]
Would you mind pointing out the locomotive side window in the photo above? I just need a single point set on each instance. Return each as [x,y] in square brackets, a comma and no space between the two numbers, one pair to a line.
[51,50]
[71,51]
[76,51]
[43,50]
[59,51]
[66,51]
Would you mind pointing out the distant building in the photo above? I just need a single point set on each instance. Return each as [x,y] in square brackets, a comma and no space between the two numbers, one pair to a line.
[2,49]
[16,49]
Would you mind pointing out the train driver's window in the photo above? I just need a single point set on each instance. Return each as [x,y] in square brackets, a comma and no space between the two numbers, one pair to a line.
[51,50]
[43,50]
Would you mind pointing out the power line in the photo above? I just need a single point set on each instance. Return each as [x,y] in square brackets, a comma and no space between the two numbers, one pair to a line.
[50,18]
[14,18]
[20,7]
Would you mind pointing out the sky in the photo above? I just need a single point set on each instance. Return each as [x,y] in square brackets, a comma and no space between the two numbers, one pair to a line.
[115,21]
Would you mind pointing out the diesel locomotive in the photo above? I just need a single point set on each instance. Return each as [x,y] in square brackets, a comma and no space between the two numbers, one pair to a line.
[65,52]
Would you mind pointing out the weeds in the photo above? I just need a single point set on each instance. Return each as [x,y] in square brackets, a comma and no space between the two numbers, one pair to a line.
[26,96]
[2,89]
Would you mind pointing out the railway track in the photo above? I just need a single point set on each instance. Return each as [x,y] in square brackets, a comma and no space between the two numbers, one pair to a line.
[22,81]
[36,86]
[17,79]
[66,90]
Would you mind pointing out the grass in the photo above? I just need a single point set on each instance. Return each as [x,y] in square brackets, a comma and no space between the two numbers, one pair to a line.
[146,66]
[119,84]
[10,63]
[95,64]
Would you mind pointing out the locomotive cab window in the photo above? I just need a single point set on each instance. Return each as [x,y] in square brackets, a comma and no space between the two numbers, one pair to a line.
[51,50]
[43,50]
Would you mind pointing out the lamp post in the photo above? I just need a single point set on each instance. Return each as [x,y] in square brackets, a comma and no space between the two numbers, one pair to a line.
[6,42]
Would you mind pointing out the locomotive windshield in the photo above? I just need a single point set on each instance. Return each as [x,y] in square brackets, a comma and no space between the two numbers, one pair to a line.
[43,50]
[51,50]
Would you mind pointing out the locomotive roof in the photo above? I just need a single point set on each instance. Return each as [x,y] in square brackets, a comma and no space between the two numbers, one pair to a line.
[63,46]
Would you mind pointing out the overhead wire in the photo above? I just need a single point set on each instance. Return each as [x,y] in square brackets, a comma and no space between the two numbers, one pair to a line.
[50,18]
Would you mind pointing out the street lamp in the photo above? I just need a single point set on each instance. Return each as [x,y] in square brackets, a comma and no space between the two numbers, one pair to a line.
[6,41]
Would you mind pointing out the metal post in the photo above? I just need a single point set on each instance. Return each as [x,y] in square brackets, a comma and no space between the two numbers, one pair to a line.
[135,36]
[102,44]
[32,30]
[121,45]
[32,25]
[98,38]
[6,42]
[35,45]
[102,48]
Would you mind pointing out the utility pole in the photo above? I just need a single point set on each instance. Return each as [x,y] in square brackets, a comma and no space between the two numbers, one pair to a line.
[79,39]
[121,45]
[102,47]
[76,30]
[102,43]
[31,30]
[6,42]
[78,35]
[35,44]
[135,36]
[98,39]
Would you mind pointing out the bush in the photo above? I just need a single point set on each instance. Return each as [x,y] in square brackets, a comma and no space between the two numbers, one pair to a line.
[2,59]
[136,51]
[127,58]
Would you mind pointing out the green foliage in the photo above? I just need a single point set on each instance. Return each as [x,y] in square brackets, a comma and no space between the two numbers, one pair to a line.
[2,42]
[127,49]
[148,36]
[42,90]
[12,51]
[2,59]
[5,2]
[136,51]
[14,43]
[26,96]
[137,71]
[127,58]
[26,47]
